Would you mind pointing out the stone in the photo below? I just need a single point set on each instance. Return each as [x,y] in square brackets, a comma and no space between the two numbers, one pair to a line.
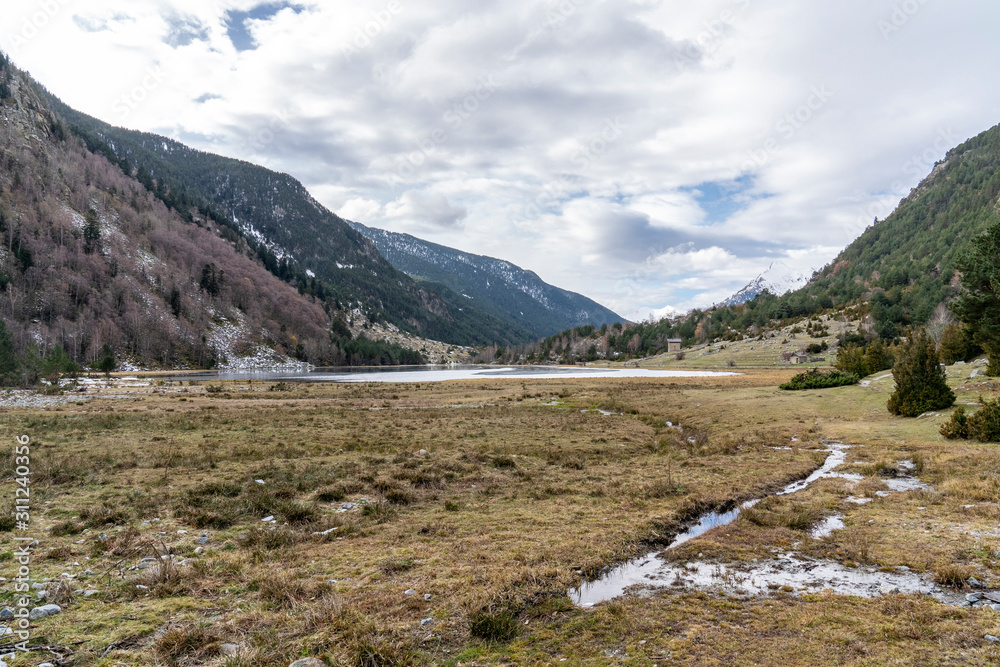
[427,596]
[229,649]
[974,583]
[203,539]
[308,662]
[46,664]
[260,481]
[6,613]
[973,598]
[410,592]
[41,595]
[37,587]
[90,594]
[267,519]
[427,621]
[991,639]
[199,550]
[996,607]
[423,452]
[43,611]
[992,596]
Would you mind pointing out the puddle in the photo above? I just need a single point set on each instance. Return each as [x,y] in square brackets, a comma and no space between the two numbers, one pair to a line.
[790,573]
[614,583]
[787,571]
[826,527]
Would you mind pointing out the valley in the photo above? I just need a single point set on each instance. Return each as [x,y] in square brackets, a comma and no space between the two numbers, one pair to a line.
[445,523]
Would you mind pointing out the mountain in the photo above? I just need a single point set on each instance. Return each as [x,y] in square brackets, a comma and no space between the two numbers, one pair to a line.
[904,266]
[653,314]
[496,286]
[274,217]
[91,260]
[778,279]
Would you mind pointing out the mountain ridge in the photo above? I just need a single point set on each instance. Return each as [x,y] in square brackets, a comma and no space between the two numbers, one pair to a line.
[514,292]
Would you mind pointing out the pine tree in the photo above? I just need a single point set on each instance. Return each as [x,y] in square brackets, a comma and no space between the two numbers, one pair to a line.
[91,232]
[957,344]
[8,361]
[979,305]
[920,380]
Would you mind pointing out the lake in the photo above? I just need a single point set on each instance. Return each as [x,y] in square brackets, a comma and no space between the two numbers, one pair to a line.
[444,373]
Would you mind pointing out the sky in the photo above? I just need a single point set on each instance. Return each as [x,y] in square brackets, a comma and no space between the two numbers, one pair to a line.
[645,153]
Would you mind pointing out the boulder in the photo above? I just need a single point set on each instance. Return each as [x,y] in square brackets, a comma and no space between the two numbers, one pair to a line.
[43,611]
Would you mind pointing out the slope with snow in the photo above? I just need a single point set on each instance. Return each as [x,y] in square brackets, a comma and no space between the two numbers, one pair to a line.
[779,278]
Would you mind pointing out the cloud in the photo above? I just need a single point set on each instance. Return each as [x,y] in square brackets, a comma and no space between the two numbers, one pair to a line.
[426,209]
[644,153]
[90,23]
[185,30]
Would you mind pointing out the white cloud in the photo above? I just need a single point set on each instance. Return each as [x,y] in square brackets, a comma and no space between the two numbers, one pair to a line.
[570,137]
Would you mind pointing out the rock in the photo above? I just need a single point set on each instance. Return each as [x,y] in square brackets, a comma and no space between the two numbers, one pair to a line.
[202,540]
[991,639]
[427,596]
[43,611]
[996,607]
[90,594]
[888,589]
[89,573]
[308,662]
[199,550]
[37,587]
[46,664]
[6,613]
[992,597]
[41,595]
[423,452]
[267,519]
[973,582]
[973,598]
[260,481]
[410,592]
[427,621]
[141,587]
[229,649]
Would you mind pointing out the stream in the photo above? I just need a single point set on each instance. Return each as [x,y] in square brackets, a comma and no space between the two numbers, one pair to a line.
[785,571]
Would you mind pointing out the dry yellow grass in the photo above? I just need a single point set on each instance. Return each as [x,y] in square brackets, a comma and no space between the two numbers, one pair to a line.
[519,492]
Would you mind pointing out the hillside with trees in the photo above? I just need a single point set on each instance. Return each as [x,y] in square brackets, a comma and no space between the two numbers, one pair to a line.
[901,272]
[292,235]
[94,266]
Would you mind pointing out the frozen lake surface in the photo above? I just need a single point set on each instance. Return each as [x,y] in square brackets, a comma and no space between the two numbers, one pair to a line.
[443,373]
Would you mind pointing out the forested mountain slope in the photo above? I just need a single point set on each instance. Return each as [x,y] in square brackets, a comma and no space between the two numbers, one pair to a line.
[495,285]
[293,235]
[89,258]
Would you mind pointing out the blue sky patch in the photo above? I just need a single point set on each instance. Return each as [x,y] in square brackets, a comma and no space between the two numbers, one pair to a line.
[721,199]
[237,22]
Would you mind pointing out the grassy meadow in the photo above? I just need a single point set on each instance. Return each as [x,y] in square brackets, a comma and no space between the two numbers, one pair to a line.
[378,524]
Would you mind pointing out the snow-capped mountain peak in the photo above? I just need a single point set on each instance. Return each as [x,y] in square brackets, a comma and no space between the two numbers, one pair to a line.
[778,278]
[653,315]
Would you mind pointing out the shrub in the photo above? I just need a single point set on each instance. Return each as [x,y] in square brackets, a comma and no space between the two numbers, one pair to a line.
[920,380]
[816,379]
[494,626]
[983,426]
